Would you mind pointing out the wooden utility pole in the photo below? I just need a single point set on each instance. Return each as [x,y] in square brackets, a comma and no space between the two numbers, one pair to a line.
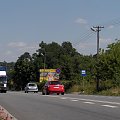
[97,29]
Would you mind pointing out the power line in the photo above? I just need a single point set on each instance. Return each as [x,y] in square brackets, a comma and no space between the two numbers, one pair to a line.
[85,36]
[88,34]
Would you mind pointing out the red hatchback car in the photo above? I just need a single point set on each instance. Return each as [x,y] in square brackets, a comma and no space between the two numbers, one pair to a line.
[53,87]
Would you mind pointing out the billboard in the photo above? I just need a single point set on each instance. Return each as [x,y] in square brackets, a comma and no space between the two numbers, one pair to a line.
[2,68]
[48,74]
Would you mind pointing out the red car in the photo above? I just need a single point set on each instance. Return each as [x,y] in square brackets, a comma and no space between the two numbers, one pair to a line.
[53,87]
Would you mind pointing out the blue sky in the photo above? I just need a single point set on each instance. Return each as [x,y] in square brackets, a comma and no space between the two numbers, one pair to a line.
[25,23]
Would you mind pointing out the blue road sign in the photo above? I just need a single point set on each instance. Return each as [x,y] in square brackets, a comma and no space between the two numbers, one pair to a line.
[83,72]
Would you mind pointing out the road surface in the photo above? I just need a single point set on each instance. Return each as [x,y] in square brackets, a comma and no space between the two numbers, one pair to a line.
[35,106]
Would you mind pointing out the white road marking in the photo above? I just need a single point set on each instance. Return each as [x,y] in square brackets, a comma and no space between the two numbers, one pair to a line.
[89,102]
[110,106]
[74,100]
[63,98]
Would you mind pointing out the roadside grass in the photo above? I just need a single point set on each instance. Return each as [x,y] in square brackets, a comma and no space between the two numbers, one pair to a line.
[91,90]
[111,92]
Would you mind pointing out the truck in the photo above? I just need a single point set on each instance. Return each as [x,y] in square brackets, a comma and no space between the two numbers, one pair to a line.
[3,79]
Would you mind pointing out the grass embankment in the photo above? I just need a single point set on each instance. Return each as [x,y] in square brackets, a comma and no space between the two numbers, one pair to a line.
[91,90]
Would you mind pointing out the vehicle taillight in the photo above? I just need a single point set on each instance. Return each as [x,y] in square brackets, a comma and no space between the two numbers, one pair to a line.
[62,87]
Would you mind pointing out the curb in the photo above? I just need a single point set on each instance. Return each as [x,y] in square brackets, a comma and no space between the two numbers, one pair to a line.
[5,115]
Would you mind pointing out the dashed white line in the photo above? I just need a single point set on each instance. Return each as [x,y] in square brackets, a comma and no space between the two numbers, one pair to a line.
[63,98]
[97,101]
[74,100]
[110,106]
[89,103]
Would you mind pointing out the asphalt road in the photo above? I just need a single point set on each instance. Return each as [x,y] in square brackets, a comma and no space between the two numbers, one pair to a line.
[35,106]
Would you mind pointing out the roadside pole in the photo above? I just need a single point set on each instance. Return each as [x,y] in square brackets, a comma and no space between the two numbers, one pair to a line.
[83,73]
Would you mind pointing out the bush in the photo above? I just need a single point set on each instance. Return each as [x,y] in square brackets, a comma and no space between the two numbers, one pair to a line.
[68,84]
[41,84]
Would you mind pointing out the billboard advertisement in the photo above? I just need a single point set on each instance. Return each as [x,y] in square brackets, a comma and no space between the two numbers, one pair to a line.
[48,74]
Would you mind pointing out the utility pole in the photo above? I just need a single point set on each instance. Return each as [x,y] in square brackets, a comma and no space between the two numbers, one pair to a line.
[97,29]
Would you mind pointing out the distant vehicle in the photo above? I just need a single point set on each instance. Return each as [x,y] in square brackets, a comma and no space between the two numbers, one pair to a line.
[3,79]
[31,87]
[53,87]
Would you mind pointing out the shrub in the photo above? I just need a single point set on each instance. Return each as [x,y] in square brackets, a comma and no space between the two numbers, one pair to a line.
[41,84]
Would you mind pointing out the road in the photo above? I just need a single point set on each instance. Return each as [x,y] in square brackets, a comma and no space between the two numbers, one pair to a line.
[35,106]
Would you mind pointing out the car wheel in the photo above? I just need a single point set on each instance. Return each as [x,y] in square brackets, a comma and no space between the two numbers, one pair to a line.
[47,93]
[62,93]
[43,93]
[57,93]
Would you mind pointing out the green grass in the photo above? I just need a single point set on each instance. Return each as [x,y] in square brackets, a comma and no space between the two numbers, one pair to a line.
[90,89]
[111,92]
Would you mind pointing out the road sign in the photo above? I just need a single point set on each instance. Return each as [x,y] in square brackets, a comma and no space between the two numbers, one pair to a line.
[83,72]
[58,70]
[2,68]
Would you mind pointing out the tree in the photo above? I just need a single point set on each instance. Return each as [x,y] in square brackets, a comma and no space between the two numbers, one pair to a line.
[23,71]
[108,66]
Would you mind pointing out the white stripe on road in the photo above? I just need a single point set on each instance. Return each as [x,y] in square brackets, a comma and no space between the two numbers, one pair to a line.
[98,101]
[63,98]
[74,100]
[89,102]
[109,106]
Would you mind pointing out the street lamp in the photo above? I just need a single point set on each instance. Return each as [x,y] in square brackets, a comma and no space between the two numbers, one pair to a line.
[44,60]
[44,55]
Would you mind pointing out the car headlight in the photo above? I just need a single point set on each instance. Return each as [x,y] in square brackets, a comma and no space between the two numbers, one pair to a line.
[5,85]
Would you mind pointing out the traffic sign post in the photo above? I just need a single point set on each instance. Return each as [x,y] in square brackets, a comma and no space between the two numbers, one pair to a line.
[83,73]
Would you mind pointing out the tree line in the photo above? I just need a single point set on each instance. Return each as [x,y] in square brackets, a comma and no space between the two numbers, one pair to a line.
[105,67]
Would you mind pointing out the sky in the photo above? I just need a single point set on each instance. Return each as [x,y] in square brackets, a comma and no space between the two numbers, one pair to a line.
[25,23]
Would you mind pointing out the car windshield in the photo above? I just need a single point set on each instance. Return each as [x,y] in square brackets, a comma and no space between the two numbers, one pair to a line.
[54,82]
[3,78]
[32,84]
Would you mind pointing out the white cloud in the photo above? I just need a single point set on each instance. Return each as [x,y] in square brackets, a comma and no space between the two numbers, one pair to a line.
[31,48]
[11,51]
[17,44]
[8,52]
[85,48]
[105,40]
[111,26]
[81,21]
